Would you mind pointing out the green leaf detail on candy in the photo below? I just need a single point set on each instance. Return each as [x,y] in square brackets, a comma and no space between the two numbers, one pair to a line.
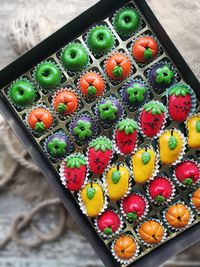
[198,126]
[91,191]
[62,108]
[148,54]
[179,90]
[108,231]
[39,127]
[116,175]
[136,93]
[132,216]
[92,90]
[57,148]
[75,161]
[188,181]
[127,125]
[107,111]
[101,143]
[164,75]
[83,130]
[146,157]
[160,199]
[172,143]
[118,71]
[155,108]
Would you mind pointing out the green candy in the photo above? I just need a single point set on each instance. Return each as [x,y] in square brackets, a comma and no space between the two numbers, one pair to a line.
[22,93]
[74,57]
[100,39]
[107,111]
[136,93]
[57,148]
[48,75]
[126,21]
[164,75]
[83,130]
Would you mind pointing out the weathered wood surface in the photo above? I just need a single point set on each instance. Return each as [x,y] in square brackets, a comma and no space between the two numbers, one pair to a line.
[181,20]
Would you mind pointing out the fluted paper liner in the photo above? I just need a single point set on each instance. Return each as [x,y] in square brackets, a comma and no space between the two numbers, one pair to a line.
[126,262]
[113,234]
[190,220]
[145,211]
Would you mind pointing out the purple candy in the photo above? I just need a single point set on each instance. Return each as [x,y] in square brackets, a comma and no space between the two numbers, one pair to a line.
[162,76]
[109,110]
[58,145]
[83,128]
[134,94]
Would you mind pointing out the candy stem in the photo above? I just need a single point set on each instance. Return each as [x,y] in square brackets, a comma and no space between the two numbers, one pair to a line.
[132,216]
[39,127]
[108,231]
[188,181]
[91,90]
[160,199]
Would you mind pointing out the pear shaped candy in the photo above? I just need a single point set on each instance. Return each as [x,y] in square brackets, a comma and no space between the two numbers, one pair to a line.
[117,180]
[193,126]
[93,199]
[144,163]
[171,145]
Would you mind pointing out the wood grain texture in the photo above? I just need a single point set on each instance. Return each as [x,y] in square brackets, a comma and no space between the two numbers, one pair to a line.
[181,20]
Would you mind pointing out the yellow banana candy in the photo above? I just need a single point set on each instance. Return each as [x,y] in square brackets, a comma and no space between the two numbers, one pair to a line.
[143,164]
[93,198]
[171,144]
[117,180]
[193,126]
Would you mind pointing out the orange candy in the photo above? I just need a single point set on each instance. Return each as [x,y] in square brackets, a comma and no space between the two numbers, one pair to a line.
[91,84]
[125,247]
[40,117]
[151,232]
[66,103]
[196,199]
[118,67]
[145,49]
[178,216]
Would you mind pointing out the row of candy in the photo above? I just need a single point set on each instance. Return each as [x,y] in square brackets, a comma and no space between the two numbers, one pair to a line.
[125,136]
[91,84]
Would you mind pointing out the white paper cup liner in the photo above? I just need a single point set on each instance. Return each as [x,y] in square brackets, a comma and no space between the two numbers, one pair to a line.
[164,233]
[156,166]
[41,105]
[182,228]
[82,205]
[126,262]
[182,152]
[113,234]
[145,211]
[176,179]
[163,124]
[62,171]
[129,183]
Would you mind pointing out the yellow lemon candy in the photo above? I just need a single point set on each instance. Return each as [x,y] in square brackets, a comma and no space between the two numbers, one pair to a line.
[117,180]
[93,199]
[193,125]
[143,164]
[171,145]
